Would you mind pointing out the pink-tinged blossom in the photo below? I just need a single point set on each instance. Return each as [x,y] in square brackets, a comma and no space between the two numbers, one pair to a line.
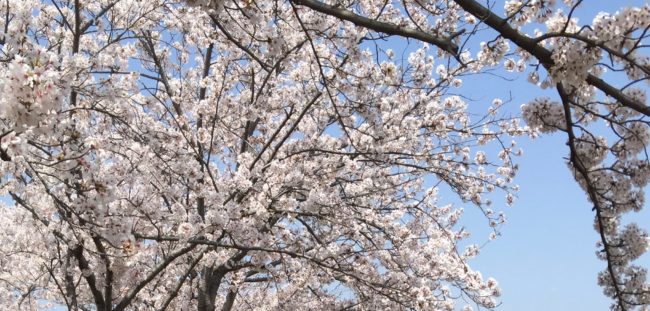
[257,154]
[544,115]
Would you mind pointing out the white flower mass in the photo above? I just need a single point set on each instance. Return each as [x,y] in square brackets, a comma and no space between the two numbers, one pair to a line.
[289,155]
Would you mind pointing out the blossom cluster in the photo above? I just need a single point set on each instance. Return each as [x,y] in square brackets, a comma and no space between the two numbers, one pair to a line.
[279,155]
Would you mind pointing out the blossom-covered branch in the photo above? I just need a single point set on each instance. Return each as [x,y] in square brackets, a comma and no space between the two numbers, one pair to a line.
[236,154]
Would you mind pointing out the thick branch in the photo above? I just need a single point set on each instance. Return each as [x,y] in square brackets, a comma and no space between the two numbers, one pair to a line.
[70,288]
[77,27]
[542,54]
[230,300]
[387,28]
[200,201]
[108,282]
[618,95]
[89,276]
[208,290]
[126,301]
[76,39]
[180,282]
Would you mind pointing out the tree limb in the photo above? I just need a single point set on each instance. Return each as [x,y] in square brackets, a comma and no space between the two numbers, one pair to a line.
[89,276]
[442,42]
[591,191]
[542,54]
[161,267]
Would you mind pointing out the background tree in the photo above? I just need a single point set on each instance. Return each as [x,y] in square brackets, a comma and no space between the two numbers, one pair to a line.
[279,155]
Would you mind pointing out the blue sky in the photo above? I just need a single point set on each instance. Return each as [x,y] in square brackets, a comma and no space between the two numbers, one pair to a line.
[545,258]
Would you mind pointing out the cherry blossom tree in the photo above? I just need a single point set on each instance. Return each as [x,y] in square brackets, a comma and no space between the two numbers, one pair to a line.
[271,155]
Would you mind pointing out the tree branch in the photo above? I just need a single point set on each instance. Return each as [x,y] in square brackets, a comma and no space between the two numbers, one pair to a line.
[176,289]
[134,291]
[442,42]
[591,191]
[542,54]
[89,276]
[108,282]
[230,300]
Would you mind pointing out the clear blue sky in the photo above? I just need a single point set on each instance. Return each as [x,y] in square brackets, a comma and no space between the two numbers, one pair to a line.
[545,258]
